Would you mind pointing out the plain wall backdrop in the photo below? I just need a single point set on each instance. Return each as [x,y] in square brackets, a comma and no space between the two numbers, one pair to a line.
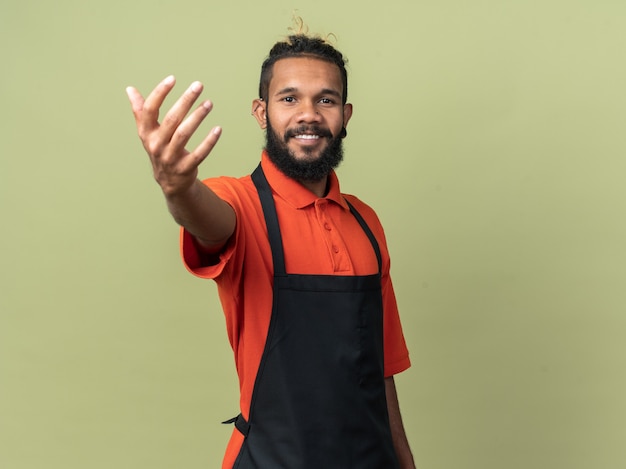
[488,135]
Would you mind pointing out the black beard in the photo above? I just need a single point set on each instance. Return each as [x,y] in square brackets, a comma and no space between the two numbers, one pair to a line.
[303,170]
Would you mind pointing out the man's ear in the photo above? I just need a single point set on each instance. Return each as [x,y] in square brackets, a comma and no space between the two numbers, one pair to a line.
[347,113]
[259,111]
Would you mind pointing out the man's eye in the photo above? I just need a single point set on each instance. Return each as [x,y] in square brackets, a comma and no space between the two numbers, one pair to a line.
[289,99]
[326,101]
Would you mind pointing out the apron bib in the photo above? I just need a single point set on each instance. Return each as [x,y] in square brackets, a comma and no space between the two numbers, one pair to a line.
[319,395]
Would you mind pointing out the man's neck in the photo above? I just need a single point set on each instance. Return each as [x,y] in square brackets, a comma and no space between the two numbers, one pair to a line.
[319,188]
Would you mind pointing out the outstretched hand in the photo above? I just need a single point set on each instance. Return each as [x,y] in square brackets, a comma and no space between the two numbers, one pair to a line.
[175,168]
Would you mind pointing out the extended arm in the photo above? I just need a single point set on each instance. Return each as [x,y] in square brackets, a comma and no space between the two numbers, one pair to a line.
[193,205]
[400,442]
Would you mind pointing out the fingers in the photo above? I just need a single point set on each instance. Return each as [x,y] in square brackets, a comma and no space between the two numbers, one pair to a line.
[188,163]
[205,147]
[183,131]
[136,100]
[146,112]
[149,114]
[165,142]
[179,110]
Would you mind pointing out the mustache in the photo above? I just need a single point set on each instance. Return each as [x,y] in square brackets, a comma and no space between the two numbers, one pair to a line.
[308,129]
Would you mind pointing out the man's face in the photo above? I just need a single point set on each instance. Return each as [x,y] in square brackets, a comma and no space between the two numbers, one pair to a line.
[304,116]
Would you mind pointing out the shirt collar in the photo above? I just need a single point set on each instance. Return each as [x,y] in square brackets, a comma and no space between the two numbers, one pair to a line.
[295,193]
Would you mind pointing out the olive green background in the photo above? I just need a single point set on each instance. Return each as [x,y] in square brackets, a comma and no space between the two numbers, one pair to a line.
[488,135]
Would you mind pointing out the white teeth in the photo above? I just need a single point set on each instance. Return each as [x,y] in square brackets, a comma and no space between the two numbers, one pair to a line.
[308,137]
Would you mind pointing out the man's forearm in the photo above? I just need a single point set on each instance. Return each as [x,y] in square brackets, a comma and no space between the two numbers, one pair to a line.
[203,214]
[400,441]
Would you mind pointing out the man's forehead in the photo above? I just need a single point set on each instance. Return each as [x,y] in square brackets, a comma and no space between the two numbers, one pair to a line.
[293,72]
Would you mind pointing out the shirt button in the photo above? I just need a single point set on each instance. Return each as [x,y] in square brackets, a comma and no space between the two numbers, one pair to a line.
[327,226]
[335,249]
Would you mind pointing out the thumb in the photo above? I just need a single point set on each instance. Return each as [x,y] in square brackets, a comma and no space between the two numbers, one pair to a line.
[136,100]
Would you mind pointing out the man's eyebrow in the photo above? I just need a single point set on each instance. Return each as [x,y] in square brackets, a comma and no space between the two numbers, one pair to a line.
[323,91]
[289,89]
[331,92]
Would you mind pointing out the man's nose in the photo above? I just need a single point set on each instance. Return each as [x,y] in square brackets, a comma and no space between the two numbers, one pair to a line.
[308,112]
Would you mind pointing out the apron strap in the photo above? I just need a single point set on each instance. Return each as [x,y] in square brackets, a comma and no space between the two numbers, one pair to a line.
[271,220]
[369,234]
[240,423]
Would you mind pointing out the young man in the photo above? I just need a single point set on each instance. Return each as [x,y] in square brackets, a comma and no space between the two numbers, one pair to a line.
[302,269]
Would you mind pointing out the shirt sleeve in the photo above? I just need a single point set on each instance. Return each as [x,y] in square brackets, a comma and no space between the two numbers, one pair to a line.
[396,352]
[193,260]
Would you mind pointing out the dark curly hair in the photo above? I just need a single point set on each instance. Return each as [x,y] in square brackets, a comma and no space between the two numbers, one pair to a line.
[301,45]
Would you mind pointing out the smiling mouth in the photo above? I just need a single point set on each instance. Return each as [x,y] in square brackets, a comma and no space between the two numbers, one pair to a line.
[307,137]
[308,133]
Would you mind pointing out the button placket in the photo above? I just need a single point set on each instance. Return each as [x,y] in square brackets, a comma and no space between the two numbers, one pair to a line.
[337,250]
